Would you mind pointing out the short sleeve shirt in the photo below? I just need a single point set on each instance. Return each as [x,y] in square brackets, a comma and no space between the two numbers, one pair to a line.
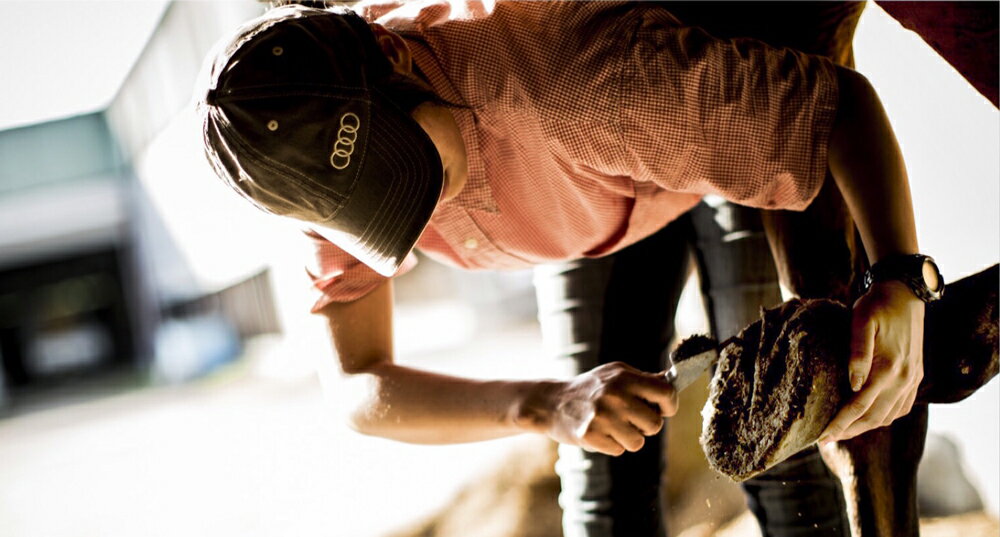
[591,125]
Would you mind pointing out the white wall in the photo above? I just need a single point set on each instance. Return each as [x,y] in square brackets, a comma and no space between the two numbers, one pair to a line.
[174,215]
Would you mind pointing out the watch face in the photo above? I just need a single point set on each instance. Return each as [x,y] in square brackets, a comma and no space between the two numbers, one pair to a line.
[918,272]
[931,276]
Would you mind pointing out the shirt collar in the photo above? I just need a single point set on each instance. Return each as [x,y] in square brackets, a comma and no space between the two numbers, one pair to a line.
[477,193]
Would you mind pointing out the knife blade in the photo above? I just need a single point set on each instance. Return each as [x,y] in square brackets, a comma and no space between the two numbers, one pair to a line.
[690,359]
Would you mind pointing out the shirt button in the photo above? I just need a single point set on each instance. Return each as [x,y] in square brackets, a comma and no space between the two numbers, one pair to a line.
[471,243]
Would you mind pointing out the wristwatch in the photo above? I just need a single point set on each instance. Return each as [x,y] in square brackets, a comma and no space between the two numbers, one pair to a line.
[919,272]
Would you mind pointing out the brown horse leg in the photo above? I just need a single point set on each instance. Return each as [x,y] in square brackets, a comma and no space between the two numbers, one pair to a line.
[878,471]
[817,257]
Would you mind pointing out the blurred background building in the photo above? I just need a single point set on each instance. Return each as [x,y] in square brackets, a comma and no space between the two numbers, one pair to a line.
[128,274]
[92,281]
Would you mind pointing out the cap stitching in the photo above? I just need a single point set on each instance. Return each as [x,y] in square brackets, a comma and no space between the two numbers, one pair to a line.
[389,196]
[365,234]
[371,236]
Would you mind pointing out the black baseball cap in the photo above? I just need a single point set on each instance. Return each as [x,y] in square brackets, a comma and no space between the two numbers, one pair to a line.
[293,121]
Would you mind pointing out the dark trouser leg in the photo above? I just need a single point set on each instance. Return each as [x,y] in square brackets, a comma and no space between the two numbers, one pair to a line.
[596,311]
[800,496]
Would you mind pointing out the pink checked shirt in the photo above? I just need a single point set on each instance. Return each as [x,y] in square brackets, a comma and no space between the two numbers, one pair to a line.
[591,125]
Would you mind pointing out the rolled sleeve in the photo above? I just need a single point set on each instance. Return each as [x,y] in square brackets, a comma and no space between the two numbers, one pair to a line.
[339,277]
[736,118]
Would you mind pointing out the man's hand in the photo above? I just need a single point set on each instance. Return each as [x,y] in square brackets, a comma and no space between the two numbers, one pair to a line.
[610,409]
[886,364]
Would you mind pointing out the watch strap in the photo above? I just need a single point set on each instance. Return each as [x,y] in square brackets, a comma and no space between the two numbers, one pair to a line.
[908,269]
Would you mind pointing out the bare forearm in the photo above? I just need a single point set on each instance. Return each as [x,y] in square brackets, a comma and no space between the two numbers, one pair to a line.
[609,409]
[868,168]
[382,398]
[887,321]
[410,405]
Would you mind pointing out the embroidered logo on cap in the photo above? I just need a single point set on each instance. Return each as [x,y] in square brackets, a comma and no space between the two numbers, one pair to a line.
[343,148]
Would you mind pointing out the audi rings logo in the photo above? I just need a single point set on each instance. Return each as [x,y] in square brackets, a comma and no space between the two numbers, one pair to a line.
[347,134]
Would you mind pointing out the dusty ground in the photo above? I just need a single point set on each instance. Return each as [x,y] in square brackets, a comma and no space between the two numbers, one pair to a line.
[518,497]
[230,455]
[241,454]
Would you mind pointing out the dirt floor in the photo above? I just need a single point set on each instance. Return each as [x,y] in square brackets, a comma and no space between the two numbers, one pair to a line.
[518,497]
[240,454]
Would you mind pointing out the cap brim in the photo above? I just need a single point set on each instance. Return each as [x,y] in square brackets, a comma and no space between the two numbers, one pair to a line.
[396,194]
